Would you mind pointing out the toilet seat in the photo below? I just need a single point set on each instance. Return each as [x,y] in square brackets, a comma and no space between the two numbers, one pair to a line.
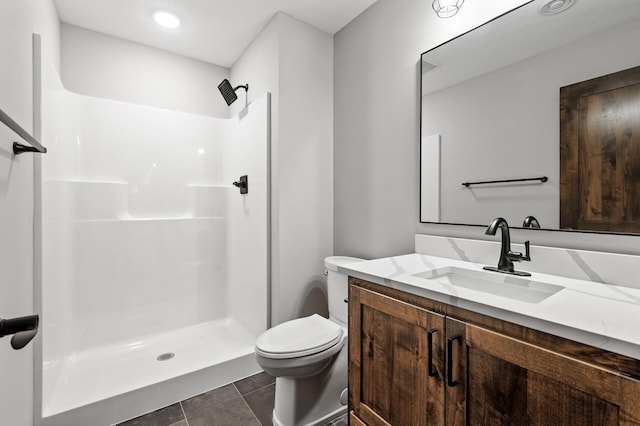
[298,338]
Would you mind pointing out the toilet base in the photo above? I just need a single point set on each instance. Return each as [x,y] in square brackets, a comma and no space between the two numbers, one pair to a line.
[319,422]
[312,401]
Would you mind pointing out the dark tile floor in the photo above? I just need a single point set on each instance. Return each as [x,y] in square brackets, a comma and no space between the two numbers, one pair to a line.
[247,402]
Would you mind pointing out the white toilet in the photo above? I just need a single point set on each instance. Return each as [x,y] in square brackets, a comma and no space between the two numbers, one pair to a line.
[308,357]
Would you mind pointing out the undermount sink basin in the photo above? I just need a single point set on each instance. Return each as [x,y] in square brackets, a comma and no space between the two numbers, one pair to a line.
[513,287]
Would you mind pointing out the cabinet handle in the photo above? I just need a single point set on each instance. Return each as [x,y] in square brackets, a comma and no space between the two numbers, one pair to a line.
[430,333]
[450,382]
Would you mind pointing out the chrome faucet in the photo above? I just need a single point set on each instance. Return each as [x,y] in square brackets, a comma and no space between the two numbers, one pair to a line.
[530,222]
[507,257]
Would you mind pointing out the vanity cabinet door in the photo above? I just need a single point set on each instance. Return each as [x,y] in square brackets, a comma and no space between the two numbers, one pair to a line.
[495,379]
[396,354]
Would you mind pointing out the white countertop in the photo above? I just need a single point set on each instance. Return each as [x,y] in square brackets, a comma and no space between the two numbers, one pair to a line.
[597,314]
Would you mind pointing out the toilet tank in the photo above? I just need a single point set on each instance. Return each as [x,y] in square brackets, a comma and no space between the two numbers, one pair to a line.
[338,287]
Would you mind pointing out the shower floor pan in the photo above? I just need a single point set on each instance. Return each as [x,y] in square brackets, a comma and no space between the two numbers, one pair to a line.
[109,384]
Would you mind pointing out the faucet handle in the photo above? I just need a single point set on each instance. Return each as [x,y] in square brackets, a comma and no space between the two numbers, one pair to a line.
[519,257]
[527,255]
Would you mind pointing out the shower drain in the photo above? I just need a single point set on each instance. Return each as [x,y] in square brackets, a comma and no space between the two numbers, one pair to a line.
[166,356]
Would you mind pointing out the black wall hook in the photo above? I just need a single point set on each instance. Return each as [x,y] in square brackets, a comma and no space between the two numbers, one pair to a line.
[23,329]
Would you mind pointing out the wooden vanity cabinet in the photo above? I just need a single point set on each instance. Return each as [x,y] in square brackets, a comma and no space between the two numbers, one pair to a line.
[396,356]
[502,380]
[411,365]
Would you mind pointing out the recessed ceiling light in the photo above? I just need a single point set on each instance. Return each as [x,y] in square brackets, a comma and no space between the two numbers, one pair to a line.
[166,19]
[555,6]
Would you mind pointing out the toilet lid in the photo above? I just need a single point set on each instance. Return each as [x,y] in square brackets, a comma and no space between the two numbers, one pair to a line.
[299,337]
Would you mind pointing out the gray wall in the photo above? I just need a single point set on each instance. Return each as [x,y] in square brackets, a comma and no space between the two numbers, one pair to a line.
[294,61]
[376,119]
[376,128]
[99,65]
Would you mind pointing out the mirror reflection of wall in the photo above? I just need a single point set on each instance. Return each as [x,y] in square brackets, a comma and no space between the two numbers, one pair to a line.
[494,99]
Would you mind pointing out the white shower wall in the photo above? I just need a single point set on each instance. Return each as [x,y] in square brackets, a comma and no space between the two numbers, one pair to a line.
[143,232]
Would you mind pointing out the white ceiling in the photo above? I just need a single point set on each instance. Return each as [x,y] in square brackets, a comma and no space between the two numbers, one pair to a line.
[214,31]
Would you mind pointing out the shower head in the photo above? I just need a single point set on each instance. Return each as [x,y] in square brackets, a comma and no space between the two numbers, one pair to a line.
[229,92]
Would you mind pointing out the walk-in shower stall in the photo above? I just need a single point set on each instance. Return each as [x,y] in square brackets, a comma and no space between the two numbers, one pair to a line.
[154,266]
